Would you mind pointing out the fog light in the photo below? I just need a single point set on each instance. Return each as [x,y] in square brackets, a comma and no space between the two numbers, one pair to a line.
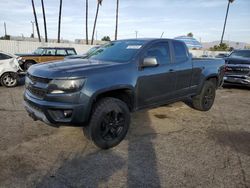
[67,113]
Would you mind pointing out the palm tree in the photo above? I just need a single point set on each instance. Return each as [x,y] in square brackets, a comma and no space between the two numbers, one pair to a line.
[44,21]
[229,1]
[99,2]
[59,21]
[87,37]
[116,24]
[37,27]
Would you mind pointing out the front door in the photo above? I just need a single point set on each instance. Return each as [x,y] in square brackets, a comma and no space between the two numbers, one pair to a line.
[156,84]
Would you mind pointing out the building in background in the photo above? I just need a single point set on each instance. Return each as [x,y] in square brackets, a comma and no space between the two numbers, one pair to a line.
[191,42]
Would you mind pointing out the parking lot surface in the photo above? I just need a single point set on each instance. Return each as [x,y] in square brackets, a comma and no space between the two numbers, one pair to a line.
[169,146]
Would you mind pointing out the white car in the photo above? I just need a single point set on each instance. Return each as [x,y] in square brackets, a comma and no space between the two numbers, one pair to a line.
[9,69]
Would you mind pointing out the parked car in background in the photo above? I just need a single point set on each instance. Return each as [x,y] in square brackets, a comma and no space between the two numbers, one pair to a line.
[99,93]
[85,55]
[222,55]
[9,69]
[44,54]
[238,68]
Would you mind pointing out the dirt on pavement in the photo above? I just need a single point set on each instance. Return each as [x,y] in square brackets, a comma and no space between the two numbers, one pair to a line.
[169,146]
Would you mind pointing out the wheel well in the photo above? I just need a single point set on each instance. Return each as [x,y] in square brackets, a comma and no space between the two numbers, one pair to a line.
[213,79]
[125,95]
[30,60]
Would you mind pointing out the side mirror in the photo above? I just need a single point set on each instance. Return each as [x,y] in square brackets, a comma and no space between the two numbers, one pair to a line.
[150,62]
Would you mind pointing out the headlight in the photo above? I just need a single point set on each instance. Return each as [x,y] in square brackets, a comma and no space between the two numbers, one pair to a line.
[65,86]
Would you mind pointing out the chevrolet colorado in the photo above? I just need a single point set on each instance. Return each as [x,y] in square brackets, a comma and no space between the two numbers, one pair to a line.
[238,68]
[123,76]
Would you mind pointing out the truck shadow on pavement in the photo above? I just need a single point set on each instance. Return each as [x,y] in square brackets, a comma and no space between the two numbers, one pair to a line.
[237,140]
[133,163]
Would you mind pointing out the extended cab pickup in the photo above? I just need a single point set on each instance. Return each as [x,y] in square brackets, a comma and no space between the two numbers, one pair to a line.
[121,77]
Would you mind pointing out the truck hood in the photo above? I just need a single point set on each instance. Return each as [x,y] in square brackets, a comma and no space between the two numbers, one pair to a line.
[238,60]
[69,68]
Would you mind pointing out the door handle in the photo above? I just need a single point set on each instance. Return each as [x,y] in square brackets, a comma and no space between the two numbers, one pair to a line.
[171,70]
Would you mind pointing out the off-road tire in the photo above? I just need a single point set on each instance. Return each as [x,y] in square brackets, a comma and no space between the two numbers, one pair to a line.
[94,130]
[204,101]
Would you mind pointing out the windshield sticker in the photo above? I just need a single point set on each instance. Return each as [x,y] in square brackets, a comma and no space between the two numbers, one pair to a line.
[134,47]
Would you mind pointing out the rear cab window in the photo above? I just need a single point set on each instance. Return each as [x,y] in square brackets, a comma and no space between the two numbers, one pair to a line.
[180,52]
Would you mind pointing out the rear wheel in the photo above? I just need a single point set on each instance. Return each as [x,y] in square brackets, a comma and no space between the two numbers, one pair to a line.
[204,101]
[109,123]
[27,64]
[9,79]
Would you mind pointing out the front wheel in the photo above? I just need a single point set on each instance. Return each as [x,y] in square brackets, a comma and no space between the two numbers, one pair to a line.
[28,64]
[109,123]
[9,79]
[205,100]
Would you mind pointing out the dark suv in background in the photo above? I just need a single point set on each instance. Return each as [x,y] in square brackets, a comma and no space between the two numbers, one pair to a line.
[238,68]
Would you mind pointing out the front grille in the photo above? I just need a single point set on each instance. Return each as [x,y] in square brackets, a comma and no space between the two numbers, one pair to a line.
[237,71]
[38,79]
[40,93]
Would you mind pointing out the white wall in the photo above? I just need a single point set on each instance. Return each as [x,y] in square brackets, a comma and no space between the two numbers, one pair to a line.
[14,47]
[199,53]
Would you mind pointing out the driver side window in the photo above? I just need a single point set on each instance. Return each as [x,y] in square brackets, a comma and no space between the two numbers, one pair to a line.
[160,51]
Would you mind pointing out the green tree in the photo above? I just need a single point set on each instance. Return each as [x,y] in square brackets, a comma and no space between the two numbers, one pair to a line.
[220,47]
[106,38]
[99,2]
[190,34]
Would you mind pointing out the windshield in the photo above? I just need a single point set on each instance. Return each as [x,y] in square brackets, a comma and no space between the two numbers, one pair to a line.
[117,51]
[38,51]
[245,54]
[92,50]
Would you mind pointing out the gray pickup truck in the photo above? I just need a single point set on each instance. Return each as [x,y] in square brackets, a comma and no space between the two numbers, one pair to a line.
[121,77]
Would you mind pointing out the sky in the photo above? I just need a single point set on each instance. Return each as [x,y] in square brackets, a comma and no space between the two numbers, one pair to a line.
[204,18]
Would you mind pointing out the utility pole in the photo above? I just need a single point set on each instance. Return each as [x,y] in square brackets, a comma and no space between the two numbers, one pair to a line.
[59,22]
[44,22]
[116,21]
[136,33]
[87,35]
[33,30]
[5,30]
[162,34]
[228,5]
[96,36]
[37,27]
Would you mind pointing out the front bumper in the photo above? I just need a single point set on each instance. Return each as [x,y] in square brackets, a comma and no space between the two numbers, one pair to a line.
[235,79]
[52,113]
